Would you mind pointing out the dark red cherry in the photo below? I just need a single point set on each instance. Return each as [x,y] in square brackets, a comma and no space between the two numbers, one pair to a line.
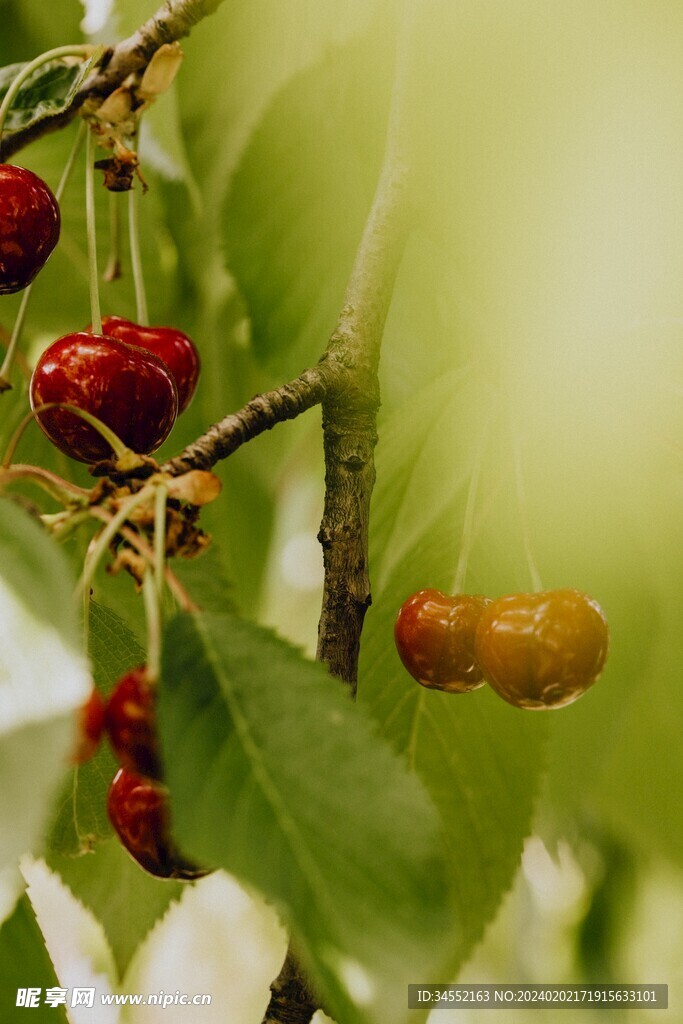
[434,634]
[175,348]
[543,650]
[29,226]
[90,728]
[131,723]
[138,810]
[130,390]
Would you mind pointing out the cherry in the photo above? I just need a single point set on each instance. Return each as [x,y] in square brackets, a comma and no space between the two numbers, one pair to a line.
[138,810]
[434,635]
[29,226]
[130,390]
[542,650]
[172,346]
[90,728]
[130,723]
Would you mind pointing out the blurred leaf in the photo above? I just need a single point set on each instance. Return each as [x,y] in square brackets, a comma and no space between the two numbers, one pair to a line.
[43,676]
[278,779]
[25,963]
[305,185]
[81,815]
[126,900]
[479,759]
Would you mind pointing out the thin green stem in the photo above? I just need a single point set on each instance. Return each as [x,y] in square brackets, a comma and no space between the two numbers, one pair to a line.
[93,279]
[160,537]
[78,50]
[112,271]
[468,527]
[536,581]
[21,314]
[107,535]
[468,520]
[152,600]
[142,312]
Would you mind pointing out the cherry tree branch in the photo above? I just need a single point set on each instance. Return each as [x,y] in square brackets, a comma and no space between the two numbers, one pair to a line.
[350,435]
[173,20]
[261,413]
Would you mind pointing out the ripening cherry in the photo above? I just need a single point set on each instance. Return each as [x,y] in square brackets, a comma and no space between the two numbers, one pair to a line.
[132,391]
[90,726]
[434,635]
[138,810]
[542,650]
[29,226]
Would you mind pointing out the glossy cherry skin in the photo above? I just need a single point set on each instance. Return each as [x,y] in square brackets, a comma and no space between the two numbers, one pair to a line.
[131,724]
[543,650]
[29,226]
[172,346]
[138,810]
[90,728]
[434,635]
[130,390]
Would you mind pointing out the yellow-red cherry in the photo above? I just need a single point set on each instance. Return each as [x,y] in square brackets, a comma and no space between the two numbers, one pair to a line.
[138,809]
[543,650]
[29,226]
[132,391]
[434,635]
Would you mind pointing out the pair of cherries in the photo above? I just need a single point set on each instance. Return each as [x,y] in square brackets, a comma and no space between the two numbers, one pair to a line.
[537,651]
[135,379]
[137,801]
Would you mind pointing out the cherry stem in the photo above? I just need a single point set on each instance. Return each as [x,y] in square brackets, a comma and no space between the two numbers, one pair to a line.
[151,597]
[135,540]
[142,313]
[106,536]
[93,280]
[8,361]
[523,514]
[468,520]
[118,447]
[62,490]
[112,271]
[77,50]
[160,537]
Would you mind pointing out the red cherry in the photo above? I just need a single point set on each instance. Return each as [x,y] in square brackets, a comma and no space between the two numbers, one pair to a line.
[172,346]
[434,634]
[544,650]
[90,728]
[138,810]
[130,723]
[130,390]
[29,226]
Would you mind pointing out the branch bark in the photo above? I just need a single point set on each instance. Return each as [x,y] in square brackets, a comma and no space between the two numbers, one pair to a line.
[173,20]
[260,414]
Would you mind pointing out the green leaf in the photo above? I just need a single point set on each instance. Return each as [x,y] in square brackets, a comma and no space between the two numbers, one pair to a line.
[25,963]
[47,92]
[126,900]
[479,758]
[278,778]
[81,814]
[43,677]
[304,186]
